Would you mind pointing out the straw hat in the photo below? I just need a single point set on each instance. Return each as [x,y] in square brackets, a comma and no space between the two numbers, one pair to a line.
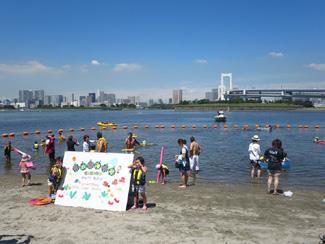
[255,138]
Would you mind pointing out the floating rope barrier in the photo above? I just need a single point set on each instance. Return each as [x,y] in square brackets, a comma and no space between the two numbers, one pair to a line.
[162,126]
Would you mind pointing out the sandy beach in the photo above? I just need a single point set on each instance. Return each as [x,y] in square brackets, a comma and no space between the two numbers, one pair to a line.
[205,213]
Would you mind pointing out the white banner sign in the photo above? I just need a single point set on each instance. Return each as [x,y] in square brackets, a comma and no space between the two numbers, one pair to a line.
[95,180]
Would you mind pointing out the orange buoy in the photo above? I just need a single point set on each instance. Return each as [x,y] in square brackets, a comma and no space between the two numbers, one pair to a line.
[193,126]
[205,126]
[71,130]
[4,135]
[306,126]
[93,128]
[184,126]
[289,126]
[125,127]
[257,126]
[277,126]
[135,126]
[215,126]
[114,127]
[245,126]
[235,126]
[267,126]
[162,126]
[82,129]
[225,126]
[25,133]
[12,134]
[317,126]
[146,126]
[157,126]
[173,126]
[300,126]
[37,132]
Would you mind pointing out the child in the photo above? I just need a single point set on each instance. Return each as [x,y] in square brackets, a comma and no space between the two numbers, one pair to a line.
[139,171]
[35,146]
[164,171]
[7,152]
[24,169]
[55,176]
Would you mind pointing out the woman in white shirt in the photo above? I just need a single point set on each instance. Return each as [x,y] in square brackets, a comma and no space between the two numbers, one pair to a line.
[254,150]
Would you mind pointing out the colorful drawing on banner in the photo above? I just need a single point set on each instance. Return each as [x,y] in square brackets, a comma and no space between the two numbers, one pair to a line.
[95,180]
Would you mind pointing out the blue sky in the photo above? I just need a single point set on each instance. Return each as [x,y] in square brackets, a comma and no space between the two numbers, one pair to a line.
[148,48]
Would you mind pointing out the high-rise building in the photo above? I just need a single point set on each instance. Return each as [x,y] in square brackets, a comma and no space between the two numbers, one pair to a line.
[209,96]
[39,95]
[132,99]
[111,98]
[101,96]
[177,96]
[56,100]
[25,96]
[47,100]
[212,95]
[92,96]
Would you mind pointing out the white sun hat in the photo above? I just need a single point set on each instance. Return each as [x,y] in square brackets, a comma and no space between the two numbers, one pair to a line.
[255,138]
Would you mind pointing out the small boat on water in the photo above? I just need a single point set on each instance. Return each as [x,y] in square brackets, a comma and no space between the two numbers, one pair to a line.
[220,117]
[106,124]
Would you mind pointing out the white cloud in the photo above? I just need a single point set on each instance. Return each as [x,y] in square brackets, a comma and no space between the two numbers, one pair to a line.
[201,61]
[127,67]
[319,67]
[66,66]
[276,54]
[30,67]
[95,62]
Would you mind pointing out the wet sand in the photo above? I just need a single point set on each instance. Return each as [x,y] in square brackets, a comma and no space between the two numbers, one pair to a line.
[205,213]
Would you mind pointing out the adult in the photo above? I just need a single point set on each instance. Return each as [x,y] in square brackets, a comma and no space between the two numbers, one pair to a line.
[101,143]
[86,144]
[71,143]
[274,157]
[50,148]
[184,166]
[7,151]
[195,150]
[254,151]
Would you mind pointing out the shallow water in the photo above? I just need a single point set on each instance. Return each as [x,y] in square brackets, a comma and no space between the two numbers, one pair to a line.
[224,157]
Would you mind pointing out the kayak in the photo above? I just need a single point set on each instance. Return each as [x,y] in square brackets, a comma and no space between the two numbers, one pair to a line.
[103,124]
[285,164]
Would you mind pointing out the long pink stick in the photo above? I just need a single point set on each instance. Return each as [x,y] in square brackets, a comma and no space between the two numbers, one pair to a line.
[160,163]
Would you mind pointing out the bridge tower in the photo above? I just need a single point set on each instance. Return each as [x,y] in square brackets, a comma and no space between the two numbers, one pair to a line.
[222,90]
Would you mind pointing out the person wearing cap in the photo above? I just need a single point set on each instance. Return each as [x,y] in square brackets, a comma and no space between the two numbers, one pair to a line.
[101,143]
[254,151]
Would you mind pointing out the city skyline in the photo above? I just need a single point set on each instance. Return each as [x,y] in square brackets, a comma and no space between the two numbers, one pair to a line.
[149,49]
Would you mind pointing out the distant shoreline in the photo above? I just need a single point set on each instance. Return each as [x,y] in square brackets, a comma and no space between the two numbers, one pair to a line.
[186,108]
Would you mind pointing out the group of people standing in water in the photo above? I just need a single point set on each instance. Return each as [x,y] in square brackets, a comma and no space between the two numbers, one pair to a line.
[274,157]
[187,161]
